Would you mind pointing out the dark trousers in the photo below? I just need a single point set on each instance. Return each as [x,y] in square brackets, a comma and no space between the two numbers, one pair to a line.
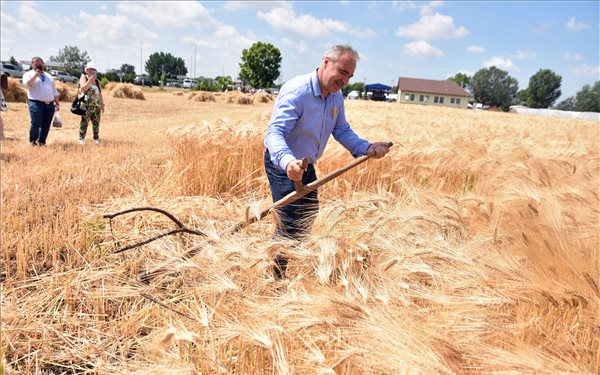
[295,219]
[40,115]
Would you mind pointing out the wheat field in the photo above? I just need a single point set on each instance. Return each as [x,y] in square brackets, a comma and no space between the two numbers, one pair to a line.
[471,248]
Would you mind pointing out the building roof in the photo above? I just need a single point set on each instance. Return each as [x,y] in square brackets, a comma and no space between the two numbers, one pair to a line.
[431,86]
[377,87]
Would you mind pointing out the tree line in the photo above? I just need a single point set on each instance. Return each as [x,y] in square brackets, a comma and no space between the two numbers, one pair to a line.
[260,67]
[495,87]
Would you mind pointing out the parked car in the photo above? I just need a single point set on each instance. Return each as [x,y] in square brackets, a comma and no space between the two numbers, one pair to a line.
[11,70]
[189,83]
[59,75]
[142,81]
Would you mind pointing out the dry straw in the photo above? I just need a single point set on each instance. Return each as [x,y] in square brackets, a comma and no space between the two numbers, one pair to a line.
[66,93]
[127,91]
[16,92]
[202,96]
[470,248]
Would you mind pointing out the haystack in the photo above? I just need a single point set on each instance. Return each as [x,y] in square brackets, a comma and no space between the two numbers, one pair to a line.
[231,96]
[202,96]
[244,99]
[110,86]
[263,97]
[65,92]
[16,92]
[127,91]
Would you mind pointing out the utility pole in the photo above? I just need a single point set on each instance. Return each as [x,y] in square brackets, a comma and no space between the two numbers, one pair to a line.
[195,46]
[141,71]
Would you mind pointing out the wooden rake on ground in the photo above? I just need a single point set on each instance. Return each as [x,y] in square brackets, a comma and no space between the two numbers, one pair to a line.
[300,191]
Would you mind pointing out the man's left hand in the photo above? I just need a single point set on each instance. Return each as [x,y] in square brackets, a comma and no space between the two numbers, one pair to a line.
[378,149]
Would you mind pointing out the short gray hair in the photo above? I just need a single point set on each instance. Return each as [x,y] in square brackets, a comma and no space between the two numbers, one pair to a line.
[335,52]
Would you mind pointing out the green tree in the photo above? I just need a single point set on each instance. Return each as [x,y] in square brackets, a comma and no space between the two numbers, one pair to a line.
[494,87]
[205,85]
[72,56]
[111,76]
[127,69]
[544,89]
[127,73]
[586,100]
[260,65]
[461,79]
[160,62]
[356,86]
[223,83]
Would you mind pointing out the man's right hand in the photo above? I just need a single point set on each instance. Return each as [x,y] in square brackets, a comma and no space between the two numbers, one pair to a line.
[294,170]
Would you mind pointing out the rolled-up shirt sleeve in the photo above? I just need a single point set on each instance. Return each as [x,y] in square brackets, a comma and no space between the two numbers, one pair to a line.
[286,113]
[343,133]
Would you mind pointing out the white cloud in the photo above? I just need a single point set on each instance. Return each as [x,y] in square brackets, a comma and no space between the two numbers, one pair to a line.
[171,14]
[501,63]
[300,47]
[433,27]
[401,6]
[122,33]
[576,26]
[36,19]
[430,7]
[587,71]
[475,49]
[541,28]
[284,19]
[421,48]
[29,19]
[573,56]
[524,55]
[232,6]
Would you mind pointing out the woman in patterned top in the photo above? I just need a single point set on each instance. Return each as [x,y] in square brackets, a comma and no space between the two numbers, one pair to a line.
[90,88]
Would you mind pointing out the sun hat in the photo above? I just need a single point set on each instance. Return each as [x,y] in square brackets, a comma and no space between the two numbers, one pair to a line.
[90,65]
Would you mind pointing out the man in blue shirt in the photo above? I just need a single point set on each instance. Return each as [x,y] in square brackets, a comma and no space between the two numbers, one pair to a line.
[308,110]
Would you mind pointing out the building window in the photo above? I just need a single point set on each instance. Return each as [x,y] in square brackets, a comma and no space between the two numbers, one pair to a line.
[421,98]
[426,98]
[457,100]
[407,97]
[451,100]
[441,100]
[436,99]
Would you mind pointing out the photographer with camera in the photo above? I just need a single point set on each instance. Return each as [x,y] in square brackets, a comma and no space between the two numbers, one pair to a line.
[42,99]
[90,87]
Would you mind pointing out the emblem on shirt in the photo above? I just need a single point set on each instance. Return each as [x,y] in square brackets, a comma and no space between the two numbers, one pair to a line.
[334,112]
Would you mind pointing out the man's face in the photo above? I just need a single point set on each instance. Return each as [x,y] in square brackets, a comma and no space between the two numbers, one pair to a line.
[38,64]
[337,74]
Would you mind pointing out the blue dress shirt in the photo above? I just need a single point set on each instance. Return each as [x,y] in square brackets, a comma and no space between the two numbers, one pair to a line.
[302,122]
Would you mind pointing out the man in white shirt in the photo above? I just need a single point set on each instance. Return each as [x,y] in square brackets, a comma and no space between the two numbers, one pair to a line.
[43,101]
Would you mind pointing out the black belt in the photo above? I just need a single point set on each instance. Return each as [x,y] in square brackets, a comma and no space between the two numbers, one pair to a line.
[42,101]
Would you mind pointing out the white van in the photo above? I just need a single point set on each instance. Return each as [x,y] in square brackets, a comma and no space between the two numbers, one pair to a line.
[189,83]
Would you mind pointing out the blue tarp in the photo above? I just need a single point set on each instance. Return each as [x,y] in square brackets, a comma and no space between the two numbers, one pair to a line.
[377,87]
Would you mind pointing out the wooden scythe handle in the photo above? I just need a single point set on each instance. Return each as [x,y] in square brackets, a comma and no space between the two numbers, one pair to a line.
[147,276]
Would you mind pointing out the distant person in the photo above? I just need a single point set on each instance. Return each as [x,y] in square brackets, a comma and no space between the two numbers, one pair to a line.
[3,107]
[42,100]
[308,110]
[94,103]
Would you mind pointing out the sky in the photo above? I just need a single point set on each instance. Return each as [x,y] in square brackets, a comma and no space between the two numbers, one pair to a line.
[429,40]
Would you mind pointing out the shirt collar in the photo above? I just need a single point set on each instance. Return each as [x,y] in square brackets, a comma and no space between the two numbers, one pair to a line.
[314,81]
